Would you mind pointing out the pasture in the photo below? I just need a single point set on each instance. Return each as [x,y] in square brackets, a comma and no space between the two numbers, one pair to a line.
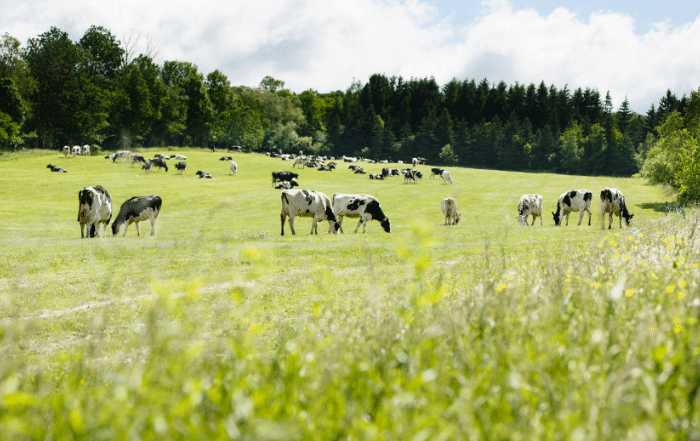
[218,327]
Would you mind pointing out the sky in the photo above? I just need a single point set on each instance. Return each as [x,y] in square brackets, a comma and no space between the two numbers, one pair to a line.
[633,49]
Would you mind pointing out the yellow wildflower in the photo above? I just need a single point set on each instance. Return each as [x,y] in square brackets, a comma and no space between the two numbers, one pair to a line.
[677,329]
[629,292]
[681,295]
[670,288]
[681,284]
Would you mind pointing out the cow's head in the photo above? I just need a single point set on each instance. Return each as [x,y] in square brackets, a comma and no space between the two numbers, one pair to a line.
[458,216]
[628,218]
[115,228]
[386,225]
[522,220]
[557,218]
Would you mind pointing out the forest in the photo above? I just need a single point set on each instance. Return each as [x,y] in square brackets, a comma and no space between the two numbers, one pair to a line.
[98,91]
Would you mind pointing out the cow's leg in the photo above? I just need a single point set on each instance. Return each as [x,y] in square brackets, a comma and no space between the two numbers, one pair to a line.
[138,231]
[580,216]
[589,217]
[358,225]
[340,221]
[291,224]
[314,225]
[126,227]
[282,216]
[153,225]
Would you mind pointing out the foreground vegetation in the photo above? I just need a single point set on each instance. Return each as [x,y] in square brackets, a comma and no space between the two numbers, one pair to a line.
[218,328]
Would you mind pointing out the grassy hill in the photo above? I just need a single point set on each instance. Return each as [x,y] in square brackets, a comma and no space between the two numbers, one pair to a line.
[220,327]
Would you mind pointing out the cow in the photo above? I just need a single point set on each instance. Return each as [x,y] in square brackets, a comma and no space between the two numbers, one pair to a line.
[529,204]
[283,176]
[136,158]
[94,208]
[573,200]
[373,176]
[414,162]
[408,176]
[436,171]
[203,175]
[146,166]
[349,159]
[181,167]
[364,206]
[179,157]
[306,203]
[612,201]
[135,210]
[225,158]
[234,168]
[122,154]
[385,172]
[287,185]
[85,151]
[66,151]
[160,163]
[57,169]
[446,177]
[417,175]
[76,150]
[449,209]
[110,156]
[300,162]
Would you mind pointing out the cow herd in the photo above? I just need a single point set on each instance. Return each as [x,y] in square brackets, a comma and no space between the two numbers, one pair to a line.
[95,203]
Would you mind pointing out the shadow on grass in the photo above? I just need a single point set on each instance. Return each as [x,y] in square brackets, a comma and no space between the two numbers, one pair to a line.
[659,207]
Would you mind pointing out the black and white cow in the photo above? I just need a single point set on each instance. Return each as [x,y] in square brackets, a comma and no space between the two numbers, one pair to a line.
[66,151]
[76,150]
[234,168]
[386,172]
[136,158]
[85,150]
[146,166]
[306,203]
[122,154]
[94,208]
[364,206]
[179,157]
[573,200]
[449,209]
[287,185]
[160,163]
[408,176]
[135,210]
[203,175]
[529,204]
[612,201]
[181,167]
[436,171]
[283,176]
[57,169]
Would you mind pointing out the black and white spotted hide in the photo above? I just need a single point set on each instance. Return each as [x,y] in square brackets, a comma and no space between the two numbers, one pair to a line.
[612,201]
[364,206]
[135,210]
[306,203]
[573,200]
[94,208]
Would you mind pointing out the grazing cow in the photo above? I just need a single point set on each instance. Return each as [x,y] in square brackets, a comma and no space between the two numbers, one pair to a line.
[66,151]
[85,151]
[386,172]
[287,185]
[146,166]
[446,177]
[574,200]
[364,206]
[449,209]
[529,204]
[136,158]
[612,201]
[306,203]
[234,168]
[57,169]
[110,156]
[283,176]
[94,207]
[203,175]
[408,176]
[122,154]
[436,171]
[300,162]
[160,163]
[179,158]
[225,158]
[76,150]
[181,167]
[417,175]
[135,210]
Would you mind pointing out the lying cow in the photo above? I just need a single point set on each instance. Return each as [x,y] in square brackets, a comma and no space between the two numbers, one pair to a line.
[135,210]
[529,204]
[94,207]
[449,209]
[306,203]
[612,201]
[287,185]
[364,206]
[179,157]
[574,200]
[203,175]
[57,169]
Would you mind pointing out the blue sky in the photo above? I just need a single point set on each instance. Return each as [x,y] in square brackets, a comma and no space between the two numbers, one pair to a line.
[634,50]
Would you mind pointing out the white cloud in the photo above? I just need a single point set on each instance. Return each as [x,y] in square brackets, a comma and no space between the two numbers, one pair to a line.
[325,44]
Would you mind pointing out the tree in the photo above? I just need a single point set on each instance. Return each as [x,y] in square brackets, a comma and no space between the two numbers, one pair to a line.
[448,156]
[571,149]
[271,85]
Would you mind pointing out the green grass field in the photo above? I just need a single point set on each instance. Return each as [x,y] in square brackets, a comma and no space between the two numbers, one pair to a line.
[220,328]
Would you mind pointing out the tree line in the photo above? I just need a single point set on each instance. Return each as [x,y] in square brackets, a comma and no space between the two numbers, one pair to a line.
[56,92]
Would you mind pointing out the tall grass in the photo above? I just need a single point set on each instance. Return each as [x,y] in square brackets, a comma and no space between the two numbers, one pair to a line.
[218,328]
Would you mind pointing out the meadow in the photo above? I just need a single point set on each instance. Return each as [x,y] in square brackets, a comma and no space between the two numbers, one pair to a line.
[219,328]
